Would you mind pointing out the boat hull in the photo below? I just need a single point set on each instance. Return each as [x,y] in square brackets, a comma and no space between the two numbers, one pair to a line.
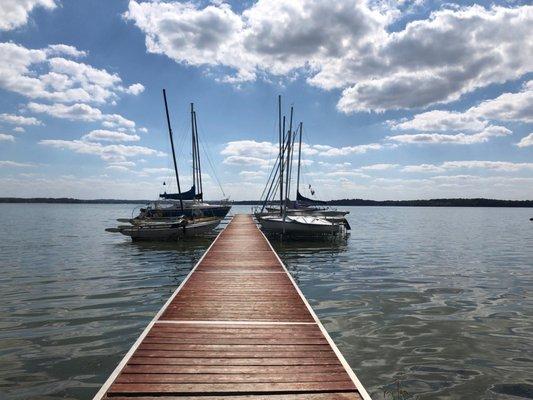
[294,228]
[168,233]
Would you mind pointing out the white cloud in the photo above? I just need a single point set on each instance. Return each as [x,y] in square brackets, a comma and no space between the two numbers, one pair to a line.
[81,112]
[6,138]
[440,121]
[245,160]
[379,167]
[348,45]
[113,152]
[14,13]
[250,175]
[158,170]
[526,141]
[19,119]
[430,168]
[19,129]
[250,148]
[37,74]
[501,166]
[353,173]
[116,167]
[506,166]
[110,136]
[143,129]
[459,138]
[15,164]
[135,89]
[64,49]
[437,60]
[329,151]
[508,106]
[250,152]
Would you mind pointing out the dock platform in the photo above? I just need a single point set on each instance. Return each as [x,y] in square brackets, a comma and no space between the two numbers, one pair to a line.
[237,327]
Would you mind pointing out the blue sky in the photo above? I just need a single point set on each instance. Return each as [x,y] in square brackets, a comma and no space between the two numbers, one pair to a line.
[399,100]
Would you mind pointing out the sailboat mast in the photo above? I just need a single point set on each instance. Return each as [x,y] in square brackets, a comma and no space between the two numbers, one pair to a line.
[289,163]
[299,161]
[198,161]
[172,146]
[281,169]
[280,154]
[193,150]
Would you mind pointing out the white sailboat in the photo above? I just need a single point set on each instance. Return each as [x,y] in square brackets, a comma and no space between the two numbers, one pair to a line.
[286,220]
[181,222]
[166,230]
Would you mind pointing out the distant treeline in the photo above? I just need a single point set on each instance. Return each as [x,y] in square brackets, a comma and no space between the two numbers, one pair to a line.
[423,203]
[342,202]
[68,200]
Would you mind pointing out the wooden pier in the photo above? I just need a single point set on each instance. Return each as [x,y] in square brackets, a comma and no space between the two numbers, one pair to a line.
[237,327]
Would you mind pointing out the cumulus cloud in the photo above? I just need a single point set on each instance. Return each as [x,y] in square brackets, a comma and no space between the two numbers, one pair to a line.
[251,152]
[14,13]
[440,121]
[81,112]
[429,168]
[110,136]
[158,170]
[459,138]
[502,166]
[113,152]
[245,160]
[526,141]
[508,106]
[329,151]
[19,129]
[250,175]
[19,119]
[379,167]
[135,89]
[39,74]
[6,138]
[347,45]
[250,148]
[64,49]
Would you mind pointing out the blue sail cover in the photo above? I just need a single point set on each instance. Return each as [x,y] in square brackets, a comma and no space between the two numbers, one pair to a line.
[305,201]
[188,195]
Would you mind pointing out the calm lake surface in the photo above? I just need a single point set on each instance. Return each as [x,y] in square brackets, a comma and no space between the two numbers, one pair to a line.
[440,299]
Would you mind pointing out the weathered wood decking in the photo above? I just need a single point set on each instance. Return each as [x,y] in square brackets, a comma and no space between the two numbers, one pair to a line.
[237,327]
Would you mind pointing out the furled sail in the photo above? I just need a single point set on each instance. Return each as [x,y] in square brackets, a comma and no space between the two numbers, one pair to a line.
[304,200]
[188,195]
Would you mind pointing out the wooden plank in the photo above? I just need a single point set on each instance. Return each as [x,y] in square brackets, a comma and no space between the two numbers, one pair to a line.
[238,324]
[199,388]
[293,396]
[229,369]
[140,360]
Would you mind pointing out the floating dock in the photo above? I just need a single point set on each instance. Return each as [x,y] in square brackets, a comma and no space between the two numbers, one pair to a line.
[238,327]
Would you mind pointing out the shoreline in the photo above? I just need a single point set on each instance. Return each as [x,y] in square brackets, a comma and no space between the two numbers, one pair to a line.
[453,202]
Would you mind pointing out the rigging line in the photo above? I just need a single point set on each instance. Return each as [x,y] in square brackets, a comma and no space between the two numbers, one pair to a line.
[268,180]
[269,184]
[306,173]
[212,168]
[206,152]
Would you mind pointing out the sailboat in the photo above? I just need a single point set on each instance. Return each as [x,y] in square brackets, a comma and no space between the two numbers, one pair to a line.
[178,222]
[286,219]
[192,200]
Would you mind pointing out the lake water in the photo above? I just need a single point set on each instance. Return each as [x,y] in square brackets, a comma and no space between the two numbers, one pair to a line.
[439,299]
